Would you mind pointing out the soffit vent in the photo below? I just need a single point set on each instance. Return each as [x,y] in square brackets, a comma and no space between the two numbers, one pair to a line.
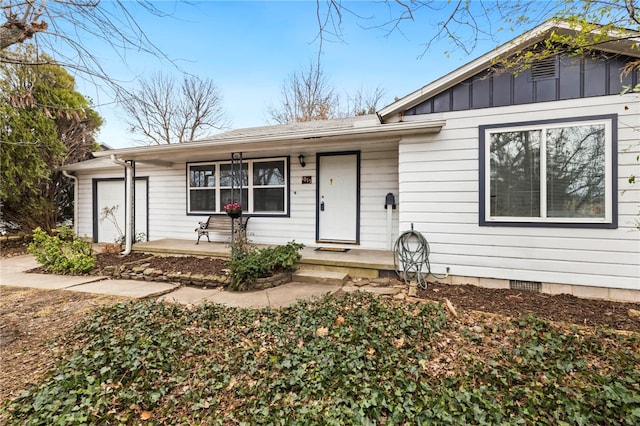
[545,69]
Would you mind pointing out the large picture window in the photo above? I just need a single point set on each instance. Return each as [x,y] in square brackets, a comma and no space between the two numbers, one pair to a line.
[558,173]
[264,185]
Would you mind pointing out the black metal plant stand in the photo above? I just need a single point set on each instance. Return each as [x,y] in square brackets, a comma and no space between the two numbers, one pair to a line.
[236,173]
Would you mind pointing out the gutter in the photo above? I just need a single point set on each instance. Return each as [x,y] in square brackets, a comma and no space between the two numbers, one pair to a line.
[75,199]
[347,133]
[128,203]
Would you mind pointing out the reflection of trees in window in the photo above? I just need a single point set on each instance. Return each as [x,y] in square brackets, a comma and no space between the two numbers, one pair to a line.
[202,182]
[201,176]
[268,191]
[576,171]
[572,159]
[260,186]
[226,175]
[268,173]
[515,174]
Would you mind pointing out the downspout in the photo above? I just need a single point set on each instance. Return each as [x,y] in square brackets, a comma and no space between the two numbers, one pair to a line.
[75,199]
[128,203]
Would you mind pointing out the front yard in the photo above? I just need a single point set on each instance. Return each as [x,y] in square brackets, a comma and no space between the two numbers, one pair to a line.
[346,359]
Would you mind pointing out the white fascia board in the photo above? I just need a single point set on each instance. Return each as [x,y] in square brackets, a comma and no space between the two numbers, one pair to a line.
[472,68]
[240,143]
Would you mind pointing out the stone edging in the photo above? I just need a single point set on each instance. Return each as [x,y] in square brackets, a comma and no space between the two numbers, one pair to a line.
[140,270]
[15,237]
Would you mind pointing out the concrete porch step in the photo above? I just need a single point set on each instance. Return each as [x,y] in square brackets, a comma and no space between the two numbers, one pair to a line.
[315,276]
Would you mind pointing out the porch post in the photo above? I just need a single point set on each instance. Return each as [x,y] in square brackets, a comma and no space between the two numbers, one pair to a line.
[128,184]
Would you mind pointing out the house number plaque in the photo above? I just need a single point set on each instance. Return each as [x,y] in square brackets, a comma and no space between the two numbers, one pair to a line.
[306,179]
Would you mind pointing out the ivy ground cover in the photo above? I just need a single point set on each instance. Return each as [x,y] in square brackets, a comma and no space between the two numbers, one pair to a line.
[342,359]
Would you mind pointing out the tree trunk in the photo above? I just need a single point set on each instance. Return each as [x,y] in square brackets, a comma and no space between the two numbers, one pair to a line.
[14,31]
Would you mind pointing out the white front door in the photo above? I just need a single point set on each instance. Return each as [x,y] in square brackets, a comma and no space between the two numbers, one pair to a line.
[338,198]
[110,194]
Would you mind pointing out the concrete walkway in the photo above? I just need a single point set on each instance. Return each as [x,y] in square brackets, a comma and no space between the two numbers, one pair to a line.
[13,273]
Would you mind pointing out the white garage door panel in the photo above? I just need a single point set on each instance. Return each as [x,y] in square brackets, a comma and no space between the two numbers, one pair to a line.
[110,193]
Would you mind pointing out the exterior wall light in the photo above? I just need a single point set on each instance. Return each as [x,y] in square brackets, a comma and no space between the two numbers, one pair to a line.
[301,160]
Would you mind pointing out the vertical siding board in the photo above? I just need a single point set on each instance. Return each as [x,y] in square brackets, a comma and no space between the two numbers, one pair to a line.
[546,90]
[523,88]
[481,92]
[616,79]
[425,107]
[570,78]
[461,96]
[595,78]
[442,102]
[502,89]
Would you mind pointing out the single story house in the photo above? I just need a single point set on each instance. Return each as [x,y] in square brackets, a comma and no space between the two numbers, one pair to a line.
[511,177]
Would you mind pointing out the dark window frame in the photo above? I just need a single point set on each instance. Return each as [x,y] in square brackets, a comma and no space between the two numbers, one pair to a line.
[612,188]
[287,185]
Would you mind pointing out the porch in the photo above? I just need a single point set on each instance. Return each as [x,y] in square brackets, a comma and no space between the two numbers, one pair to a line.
[355,262]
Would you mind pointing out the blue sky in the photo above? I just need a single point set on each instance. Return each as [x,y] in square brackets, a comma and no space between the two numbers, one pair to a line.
[249,49]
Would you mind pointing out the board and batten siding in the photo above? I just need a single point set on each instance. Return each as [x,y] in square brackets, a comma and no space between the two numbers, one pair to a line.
[167,188]
[439,187]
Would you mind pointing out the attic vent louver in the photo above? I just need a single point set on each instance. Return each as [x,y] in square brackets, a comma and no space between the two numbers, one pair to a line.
[545,69]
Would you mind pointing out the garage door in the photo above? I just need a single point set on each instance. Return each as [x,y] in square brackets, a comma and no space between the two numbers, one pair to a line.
[109,209]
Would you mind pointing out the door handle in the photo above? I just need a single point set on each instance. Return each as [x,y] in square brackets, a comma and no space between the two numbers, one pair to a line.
[322,206]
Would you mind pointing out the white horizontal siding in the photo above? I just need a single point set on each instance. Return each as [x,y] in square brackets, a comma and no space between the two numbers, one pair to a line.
[168,204]
[438,180]
[168,216]
[378,176]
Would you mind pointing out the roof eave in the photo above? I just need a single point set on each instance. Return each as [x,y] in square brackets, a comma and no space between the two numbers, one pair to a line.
[241,143]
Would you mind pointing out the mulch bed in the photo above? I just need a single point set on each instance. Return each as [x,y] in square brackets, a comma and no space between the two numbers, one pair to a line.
[513,303]
[168,264]
[566,308]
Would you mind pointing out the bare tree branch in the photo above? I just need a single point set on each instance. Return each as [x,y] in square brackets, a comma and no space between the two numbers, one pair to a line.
[306,96]
[61,27]
[468,22]
[363,102]
[163,111]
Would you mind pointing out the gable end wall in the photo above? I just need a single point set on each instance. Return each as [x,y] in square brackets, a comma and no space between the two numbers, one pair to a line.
[439,195]
[577,77]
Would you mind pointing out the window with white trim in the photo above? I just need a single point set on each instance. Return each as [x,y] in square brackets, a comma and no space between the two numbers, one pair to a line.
[549,173]
[264,186]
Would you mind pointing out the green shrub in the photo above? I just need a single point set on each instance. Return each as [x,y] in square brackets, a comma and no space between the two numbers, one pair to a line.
[61,252]
[250,263]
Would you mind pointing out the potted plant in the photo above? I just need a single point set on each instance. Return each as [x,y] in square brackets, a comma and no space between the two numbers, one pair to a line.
[234,210]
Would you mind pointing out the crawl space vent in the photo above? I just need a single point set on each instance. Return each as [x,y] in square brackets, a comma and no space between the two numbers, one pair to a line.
[545,69]
[533,286]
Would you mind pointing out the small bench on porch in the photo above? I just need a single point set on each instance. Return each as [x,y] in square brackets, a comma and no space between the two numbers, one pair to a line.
[220,224]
